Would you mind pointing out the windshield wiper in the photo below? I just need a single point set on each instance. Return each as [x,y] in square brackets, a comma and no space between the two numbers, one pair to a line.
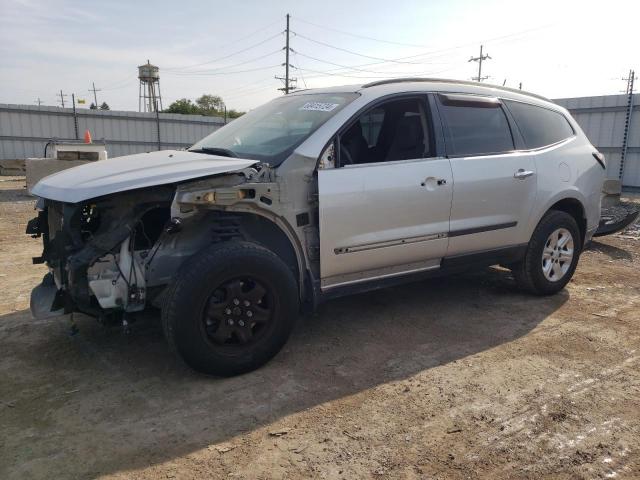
[224,152]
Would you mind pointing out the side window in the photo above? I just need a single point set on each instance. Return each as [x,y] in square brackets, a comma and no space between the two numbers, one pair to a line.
[394,130]
[539,126]
[371,123]
[475,128]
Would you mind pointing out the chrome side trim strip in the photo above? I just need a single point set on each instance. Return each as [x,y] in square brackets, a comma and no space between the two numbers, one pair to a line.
[378,273]
[389,243]
[487,228]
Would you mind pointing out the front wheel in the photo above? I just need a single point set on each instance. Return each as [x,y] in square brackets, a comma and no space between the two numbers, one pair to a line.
[552,255]
[231,308]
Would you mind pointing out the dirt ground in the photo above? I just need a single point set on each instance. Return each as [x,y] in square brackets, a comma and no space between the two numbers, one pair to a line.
[462,377]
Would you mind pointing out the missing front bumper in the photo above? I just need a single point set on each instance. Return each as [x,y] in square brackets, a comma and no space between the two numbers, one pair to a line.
[46,299]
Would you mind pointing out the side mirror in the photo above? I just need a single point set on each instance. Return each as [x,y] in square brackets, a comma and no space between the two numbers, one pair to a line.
[328,157]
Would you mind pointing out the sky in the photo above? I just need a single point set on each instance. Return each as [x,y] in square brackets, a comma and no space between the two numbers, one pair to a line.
[235,49]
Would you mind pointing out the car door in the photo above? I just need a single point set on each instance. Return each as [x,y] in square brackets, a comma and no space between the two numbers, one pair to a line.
[494,185]
[384,210]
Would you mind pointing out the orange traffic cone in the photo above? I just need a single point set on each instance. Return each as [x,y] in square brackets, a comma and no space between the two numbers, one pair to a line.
[87,136]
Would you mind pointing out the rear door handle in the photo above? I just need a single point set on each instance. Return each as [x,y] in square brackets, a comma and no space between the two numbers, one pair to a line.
[521,174]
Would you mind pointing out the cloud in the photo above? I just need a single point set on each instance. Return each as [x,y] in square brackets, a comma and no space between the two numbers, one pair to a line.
[33,12]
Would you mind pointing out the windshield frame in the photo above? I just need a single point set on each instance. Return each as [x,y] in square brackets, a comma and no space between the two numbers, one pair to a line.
[277,158]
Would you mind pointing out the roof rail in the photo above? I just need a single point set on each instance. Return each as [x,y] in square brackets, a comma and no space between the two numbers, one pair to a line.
[457,82]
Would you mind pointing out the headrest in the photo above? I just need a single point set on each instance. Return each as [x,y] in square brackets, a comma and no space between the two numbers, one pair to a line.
[408,133]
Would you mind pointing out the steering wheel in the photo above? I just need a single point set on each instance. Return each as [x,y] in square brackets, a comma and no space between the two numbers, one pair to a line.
[345,156]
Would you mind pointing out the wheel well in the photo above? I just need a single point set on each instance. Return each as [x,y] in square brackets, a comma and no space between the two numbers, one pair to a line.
[263,231]
[574,208]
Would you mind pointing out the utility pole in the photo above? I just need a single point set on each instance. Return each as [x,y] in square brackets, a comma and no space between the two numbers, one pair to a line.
[287,80]
[627,121]
[61,95]
[38,101]
[75,115]
[479,59]
[155,105]
[629,80]
[94,90]
[286,66]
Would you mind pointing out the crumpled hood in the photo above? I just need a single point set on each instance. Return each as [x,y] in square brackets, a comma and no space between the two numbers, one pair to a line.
[119,174]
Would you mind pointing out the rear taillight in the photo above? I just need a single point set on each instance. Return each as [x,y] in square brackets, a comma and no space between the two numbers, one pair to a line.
[600,158]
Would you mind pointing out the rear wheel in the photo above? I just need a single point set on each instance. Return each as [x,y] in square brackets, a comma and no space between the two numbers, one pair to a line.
[231,308]
[552,255]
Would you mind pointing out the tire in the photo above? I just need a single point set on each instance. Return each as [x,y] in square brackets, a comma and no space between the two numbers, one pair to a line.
[230,309]
[549,275]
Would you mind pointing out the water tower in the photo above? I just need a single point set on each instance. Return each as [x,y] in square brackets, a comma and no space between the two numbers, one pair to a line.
[149,99]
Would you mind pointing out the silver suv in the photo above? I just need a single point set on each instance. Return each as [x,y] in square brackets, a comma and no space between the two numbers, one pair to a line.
[315,195]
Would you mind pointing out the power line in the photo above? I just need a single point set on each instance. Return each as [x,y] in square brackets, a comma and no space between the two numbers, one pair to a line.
[355,67]
[238,40]
[126,84]
[112,86]
[225,56]
[352,67]
[331,74]
[386,60]
[261,29]
[479,59]
[365,77]
[128,80]
[295,54]
[260,85]
[360,36]
[247,85]
[391,42]
[197,74]
[433,53]
[250,91]
[228,66]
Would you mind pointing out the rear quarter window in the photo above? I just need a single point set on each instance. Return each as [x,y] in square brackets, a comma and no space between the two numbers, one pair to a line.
[475,130]
[540,127]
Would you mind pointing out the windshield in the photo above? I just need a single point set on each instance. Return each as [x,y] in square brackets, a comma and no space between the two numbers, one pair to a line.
[271,132]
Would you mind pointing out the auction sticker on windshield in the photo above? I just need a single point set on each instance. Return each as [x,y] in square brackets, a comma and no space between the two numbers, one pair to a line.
[319,106]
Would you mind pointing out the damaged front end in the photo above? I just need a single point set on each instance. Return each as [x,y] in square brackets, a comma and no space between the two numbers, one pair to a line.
[98,252]
[115,254]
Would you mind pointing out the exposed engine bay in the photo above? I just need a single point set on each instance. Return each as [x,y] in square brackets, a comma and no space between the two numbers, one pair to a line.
[98,252]
[115,254]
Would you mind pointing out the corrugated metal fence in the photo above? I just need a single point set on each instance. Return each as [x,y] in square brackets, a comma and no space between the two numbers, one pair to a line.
[603,120]
[25,129]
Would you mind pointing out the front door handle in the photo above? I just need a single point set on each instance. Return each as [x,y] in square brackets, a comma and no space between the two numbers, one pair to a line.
[433,181]
[521,174]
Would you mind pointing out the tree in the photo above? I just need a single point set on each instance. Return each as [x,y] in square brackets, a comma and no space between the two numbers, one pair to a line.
[104,106]
[234,113]
[93,106]
[210,104]
[184,106]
